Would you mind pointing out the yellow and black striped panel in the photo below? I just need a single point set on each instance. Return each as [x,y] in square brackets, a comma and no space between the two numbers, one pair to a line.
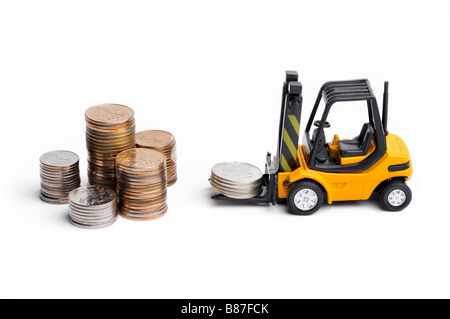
[288,161]
[291,109]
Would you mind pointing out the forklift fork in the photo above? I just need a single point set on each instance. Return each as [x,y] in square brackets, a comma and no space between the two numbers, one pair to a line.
[269,187]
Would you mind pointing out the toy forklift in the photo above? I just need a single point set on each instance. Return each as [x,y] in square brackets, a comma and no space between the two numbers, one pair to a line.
[303,176]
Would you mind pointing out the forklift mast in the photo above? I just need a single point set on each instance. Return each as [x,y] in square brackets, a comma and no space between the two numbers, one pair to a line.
[288,134]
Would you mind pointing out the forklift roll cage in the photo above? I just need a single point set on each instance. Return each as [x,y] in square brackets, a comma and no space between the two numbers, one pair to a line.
[345,91]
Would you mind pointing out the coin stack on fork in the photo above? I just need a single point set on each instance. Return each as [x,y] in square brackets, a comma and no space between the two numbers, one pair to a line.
[110,129]
[60,174]
[236,180]
[165,143]
[141,184]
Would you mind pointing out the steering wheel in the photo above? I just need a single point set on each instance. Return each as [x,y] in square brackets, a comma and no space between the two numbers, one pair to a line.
[317,123]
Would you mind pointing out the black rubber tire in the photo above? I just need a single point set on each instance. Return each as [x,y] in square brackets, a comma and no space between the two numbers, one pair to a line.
[298,187]
[388,189]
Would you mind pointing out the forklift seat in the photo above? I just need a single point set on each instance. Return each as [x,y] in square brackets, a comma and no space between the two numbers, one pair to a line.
[359,146]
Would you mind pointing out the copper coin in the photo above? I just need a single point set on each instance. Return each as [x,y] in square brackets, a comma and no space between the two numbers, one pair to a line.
[143,217]
[154,139]
[141,183]
[140,159]
[109,114]
[163,142]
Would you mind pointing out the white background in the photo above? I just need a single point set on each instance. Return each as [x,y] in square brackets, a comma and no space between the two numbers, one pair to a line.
[211,73]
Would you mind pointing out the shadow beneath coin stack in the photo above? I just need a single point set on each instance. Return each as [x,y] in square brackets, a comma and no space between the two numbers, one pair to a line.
[60,211]
[209,193]
[35,193]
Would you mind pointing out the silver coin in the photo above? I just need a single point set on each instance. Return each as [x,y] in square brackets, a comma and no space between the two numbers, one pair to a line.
[92,226]
[219,183]
[52,158]
[60,169]
[236,195]
[237,172]
[60,184]
[236,180]
[59,159]
[233,194]
[58,177]
[92,196]
[93,220]
[56,195]
[231,182]
[98,208]
[92,213]
[93,207]
[239,196]
[60,174]
[50,200]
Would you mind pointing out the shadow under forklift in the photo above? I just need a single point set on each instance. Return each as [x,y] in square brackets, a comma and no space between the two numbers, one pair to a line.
[304,176]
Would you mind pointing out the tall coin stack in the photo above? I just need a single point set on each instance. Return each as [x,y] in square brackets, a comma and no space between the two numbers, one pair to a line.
[110,129]
[60,174]
[141,184]
[165,143]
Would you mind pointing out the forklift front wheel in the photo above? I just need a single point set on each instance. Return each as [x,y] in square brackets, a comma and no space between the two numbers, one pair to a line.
[305,198]
[395,196]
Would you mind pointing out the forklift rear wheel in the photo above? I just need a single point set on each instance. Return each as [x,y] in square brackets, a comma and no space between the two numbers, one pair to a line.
[305,198]
[396,196]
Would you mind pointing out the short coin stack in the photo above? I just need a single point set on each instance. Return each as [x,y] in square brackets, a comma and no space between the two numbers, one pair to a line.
[236,180]
[165,143]
[93,207]
[60,174]
[110,129]
[141,184]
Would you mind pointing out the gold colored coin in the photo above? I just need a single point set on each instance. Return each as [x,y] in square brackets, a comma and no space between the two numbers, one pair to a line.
[110,130]
[141,183]
[109,114]
[140,159]
[154,139]
[163,142]
[127,216]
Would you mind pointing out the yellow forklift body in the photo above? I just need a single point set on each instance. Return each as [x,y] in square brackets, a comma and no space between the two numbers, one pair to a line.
[351,185]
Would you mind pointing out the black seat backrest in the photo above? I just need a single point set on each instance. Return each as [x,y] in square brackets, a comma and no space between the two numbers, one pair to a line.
[365,137]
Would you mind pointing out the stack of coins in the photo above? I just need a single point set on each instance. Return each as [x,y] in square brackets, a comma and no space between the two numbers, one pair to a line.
[110,129]
[236,180]
[60,174]
[93,207]
[163,142]
[141,184]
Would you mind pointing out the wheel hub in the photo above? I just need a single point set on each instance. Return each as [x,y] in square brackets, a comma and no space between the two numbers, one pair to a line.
[305,199]
[397,197]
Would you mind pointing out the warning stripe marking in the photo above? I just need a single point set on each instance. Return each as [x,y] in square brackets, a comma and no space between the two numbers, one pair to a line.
[290,139]
[287,139]
[284,164]
[295,123]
